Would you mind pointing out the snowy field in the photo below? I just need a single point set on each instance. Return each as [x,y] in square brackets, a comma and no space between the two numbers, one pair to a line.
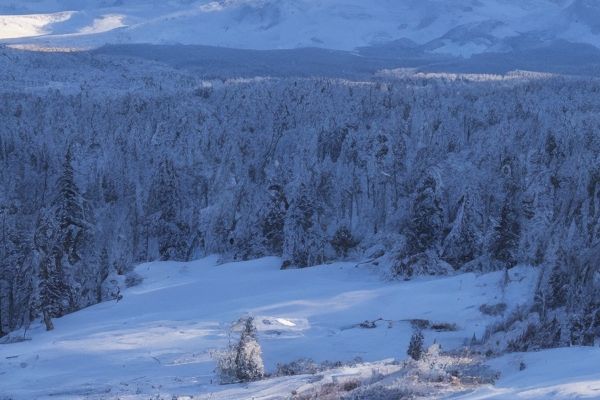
[158,339]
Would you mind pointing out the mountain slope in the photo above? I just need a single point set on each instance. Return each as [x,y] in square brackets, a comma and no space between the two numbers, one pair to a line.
[459,28]
[159,337]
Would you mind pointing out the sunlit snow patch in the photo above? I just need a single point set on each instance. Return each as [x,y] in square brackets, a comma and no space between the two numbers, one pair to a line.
[105,23]
[19,26]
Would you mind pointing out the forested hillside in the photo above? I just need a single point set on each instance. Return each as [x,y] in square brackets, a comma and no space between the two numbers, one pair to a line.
[128,161]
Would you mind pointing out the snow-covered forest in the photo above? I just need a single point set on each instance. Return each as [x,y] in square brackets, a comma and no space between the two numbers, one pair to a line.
[126,161]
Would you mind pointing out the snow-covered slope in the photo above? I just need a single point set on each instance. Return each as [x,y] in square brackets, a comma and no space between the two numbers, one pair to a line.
[460,27]
[158,338]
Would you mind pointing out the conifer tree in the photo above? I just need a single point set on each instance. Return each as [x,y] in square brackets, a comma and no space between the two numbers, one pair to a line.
[425,227]
[103,271]
[274,220]
[303,244]
[415,347]
[163,213]
[558,284]
[462,243]
[506,237]
[71,224]
[248,359]
[54,299]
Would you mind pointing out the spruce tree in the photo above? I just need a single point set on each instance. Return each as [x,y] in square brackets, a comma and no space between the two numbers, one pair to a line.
[506,236]
[273,222]
[425,227]
[163,219]
[54,298]
[558,285]
[415,347]
[248,359]
[103,271]
[462,244]
[69,213]
[303,245]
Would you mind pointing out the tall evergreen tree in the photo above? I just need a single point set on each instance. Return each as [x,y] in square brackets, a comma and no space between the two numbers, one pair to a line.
[248,358]
[163,219]
[462,244]
[274,220]
[303,244]
[54,299]
[506,236]
[71,224]
[415,347]
[426,223]
[558,284]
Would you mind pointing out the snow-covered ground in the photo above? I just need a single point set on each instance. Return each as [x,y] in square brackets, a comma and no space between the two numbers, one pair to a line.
[158,339]
[458,27]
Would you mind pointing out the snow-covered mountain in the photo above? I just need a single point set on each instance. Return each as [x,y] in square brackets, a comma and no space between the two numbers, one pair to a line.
[460,27]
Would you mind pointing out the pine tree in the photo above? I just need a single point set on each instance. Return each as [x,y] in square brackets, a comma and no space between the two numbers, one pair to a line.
[104,270]
[248,360]
[507,234]
[426,224]
[558,285]
[68,207]
[54,297]
[163,218]
[462,244]
[303,245]
[273,222]
[415,347]
[73,252]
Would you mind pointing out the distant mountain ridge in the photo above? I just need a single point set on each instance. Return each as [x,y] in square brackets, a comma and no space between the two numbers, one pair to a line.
[460,28]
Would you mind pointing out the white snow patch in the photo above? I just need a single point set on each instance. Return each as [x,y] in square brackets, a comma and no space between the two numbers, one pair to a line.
[104,24]
[20,26]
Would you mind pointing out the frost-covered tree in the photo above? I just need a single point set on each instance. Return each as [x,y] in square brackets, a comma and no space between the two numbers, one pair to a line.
[303,245]
[506,236]
[242,360]
[463,242]
[415,347]
[103,272]
[559,286]
[426,225]
[248,359]
[54,292]
[72,226]
[167,234]
[274,219]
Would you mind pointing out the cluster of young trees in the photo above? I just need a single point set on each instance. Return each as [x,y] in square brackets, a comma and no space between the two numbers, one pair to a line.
[443,172]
